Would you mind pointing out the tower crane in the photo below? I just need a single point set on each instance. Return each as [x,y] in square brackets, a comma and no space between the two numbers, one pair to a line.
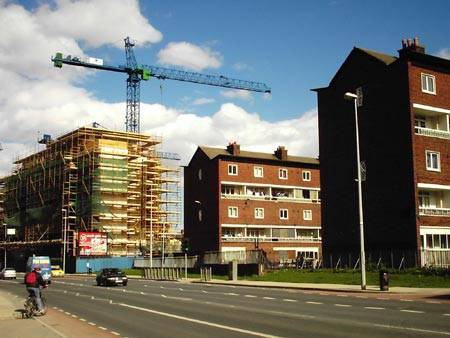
[137,73]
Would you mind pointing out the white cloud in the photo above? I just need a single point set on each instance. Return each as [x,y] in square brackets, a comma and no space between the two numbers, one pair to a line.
[202,100]
[237,94]
[190,56]
[185,132]
[444,53]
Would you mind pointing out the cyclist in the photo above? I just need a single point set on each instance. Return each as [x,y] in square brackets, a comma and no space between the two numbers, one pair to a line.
[33,281]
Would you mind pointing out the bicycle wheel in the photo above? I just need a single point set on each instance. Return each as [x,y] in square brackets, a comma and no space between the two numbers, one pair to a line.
[44,304]
[29,308]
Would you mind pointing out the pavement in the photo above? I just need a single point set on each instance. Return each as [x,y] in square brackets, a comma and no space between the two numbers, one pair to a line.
[53,325]
[56,324]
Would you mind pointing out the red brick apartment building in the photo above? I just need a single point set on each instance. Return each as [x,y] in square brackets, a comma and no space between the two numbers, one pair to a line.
[403,111]
[240,200]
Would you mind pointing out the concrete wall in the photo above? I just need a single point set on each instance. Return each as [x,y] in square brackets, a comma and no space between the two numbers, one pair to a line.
[98,263]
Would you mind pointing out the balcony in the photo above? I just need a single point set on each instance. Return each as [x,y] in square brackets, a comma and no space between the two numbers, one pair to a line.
[426,211]
[432,132]
[271,239]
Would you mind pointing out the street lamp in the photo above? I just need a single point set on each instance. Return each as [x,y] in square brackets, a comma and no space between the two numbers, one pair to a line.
[64,238]
[353,97]
[4,224]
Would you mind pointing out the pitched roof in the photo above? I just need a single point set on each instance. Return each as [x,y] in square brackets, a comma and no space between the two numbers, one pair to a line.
[385,58]
[215,152]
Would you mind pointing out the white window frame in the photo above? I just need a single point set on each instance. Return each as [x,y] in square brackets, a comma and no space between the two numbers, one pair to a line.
[282,213]
[233,212]
[258,171]
[259,213]
[424,84]
[430,153]
[283,174]
[307,215]
[232,169]
[306,175]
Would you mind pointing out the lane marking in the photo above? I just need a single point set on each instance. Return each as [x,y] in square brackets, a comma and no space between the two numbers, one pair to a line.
[412,329]
[91,323]
[204,291]
[446,314]
[115,333]
[432,302]
[180,289]
[103,328]
[270,298]
[342,305]
[342,295]
[412,311]
[406,300]
[316,303]
[250,296]
[67,313]
[374,308]
[232,294]
[383,298]
[82,319]
[230,328]
[74,316]
[289,300]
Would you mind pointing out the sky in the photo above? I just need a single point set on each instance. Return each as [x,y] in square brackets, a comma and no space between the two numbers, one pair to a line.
[290,45]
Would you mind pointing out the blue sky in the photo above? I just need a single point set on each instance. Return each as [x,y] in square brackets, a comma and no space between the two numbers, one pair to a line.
[292,46]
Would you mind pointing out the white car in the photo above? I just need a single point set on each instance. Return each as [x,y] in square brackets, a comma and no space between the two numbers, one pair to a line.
[8,273]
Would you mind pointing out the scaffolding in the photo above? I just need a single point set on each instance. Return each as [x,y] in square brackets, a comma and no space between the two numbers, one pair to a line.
[94,180]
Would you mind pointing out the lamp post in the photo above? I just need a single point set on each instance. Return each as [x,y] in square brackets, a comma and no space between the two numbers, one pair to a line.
[64,239]
[353,97]
[4,224]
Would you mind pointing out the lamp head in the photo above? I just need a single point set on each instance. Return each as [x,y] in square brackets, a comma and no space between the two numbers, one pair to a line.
[350,96]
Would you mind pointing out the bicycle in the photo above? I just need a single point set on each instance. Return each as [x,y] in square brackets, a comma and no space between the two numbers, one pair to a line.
[31,308]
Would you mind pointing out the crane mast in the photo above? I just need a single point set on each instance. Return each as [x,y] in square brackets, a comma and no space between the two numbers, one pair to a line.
[137,73]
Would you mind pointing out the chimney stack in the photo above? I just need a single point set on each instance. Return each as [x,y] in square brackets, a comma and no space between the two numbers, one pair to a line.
[234,149]
[281,153]
[410,45]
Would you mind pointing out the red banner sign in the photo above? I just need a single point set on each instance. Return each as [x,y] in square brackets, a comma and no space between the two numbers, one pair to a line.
[92,243]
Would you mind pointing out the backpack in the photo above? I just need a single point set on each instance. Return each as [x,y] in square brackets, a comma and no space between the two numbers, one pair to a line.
[30,279]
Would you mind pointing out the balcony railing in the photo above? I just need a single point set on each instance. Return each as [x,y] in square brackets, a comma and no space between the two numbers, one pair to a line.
[434,211]
[270,239]
[270,198]
[432,132]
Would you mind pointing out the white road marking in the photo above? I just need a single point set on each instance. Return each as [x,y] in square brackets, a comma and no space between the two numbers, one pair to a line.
[142,293]
[289,300]
[250,296]
[432,302]
[55,307]
[412,311]
[406,300]
[342,305]
[82,319]
[115,333]
[342,295]
[364,297]
[67,313]
[60,310]
[164,296]
[103,328]
[230,328]
[268,298]
[180,289]
[446,314]
[74,316]
[204,291]
[412,329]
[316,303]
[383,298]
[374,308]
[323,293]
[91,323]
[232,294]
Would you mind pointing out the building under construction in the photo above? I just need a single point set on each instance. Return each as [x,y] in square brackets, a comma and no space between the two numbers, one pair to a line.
[92,180]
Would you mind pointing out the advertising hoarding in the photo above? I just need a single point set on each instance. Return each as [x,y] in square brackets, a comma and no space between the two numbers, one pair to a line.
[92,243]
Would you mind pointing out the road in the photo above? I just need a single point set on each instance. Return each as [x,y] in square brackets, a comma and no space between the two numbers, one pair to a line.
[173,309]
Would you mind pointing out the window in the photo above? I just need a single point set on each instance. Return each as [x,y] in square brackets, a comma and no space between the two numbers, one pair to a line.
[306,194]
[359,93]
[306,175]
[199,174]
[227,190]
[424,199]
[284,214]
[232,169]
[233,212]
[258,171]
[428,83]
[259,212]
[420,121]
[433,161]
[283,174]
[307,215]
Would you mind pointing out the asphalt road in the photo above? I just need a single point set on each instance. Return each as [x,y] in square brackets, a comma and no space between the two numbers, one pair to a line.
[173,309]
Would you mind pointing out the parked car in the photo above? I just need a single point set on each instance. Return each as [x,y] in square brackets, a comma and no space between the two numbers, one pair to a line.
[57,271]
[111,276]
[8,273]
